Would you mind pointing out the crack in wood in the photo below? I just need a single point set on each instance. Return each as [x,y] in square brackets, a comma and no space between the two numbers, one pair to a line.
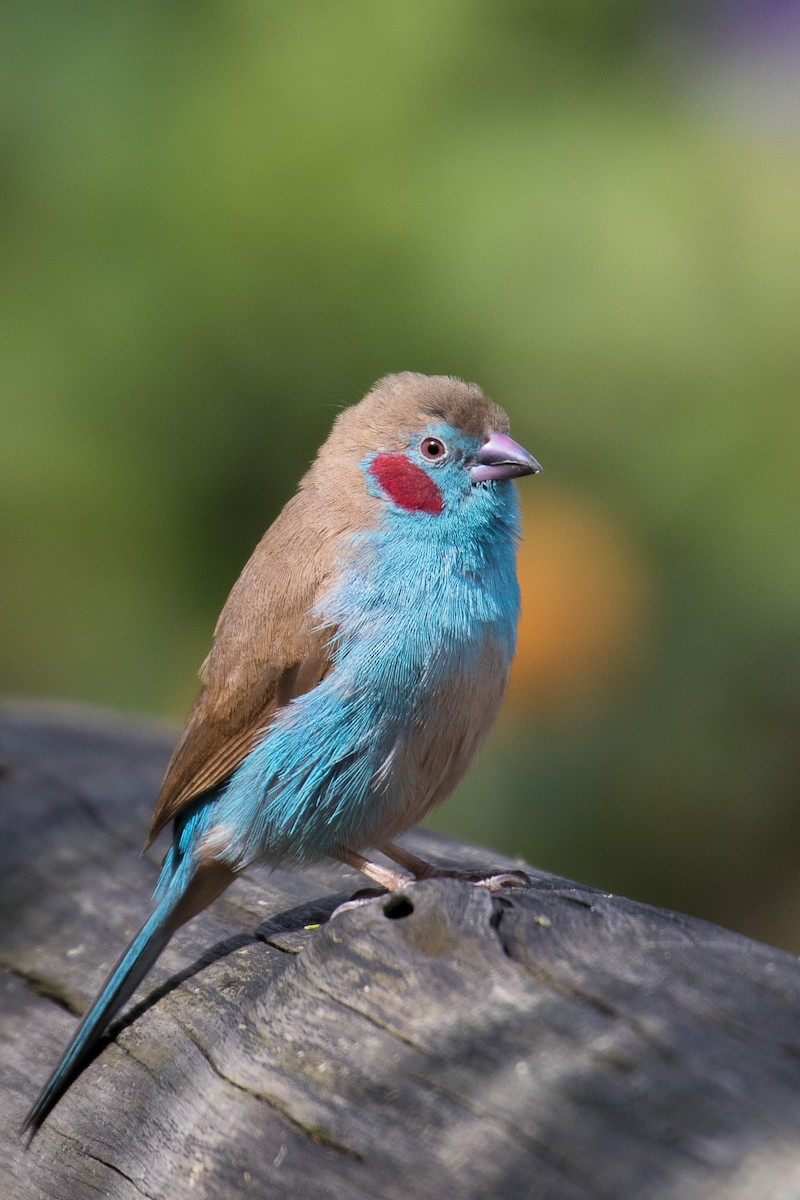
[47,987]
[369,1017]
[314,1132]
[86,1152]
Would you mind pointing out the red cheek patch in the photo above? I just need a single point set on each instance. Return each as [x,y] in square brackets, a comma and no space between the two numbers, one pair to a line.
[406,484]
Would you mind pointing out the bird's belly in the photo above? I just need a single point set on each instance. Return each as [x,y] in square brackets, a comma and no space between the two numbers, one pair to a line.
[429,759]
[343,769]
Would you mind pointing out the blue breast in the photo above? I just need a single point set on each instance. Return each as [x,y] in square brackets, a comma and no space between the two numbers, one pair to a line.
[414,603]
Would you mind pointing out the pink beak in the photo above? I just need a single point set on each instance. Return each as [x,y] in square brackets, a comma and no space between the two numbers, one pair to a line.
[500,457]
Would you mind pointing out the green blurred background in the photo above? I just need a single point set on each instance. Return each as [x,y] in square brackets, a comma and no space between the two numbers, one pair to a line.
[222,221]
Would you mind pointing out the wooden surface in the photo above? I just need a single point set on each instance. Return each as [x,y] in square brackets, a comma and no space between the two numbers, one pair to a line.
[554,1042]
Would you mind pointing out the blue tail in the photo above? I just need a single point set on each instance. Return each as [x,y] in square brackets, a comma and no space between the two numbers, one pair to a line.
[183,890]
[120,985]
[185,887]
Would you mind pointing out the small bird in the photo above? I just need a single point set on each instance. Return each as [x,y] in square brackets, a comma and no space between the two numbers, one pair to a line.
[356,666]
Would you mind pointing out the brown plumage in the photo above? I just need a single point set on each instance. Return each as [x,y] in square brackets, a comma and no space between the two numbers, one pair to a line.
[266,648]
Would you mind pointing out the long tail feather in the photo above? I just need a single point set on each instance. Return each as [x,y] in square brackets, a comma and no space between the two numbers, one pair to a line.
[119,987]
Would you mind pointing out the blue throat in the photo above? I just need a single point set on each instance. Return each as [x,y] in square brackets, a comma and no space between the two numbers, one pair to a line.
[415,602]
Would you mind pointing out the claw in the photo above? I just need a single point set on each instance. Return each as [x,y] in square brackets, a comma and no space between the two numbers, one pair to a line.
[356,902]
[496,883]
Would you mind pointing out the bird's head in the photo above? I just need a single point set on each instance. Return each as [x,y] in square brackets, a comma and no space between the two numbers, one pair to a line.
[430,445]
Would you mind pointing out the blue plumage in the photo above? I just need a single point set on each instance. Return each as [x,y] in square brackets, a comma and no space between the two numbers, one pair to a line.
[415,604]
[125,977]
[339,726]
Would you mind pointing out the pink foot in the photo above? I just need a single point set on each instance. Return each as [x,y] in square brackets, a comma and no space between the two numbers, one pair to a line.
[421,869]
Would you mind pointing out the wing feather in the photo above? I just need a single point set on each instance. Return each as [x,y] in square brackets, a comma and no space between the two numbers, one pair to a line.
[268,648]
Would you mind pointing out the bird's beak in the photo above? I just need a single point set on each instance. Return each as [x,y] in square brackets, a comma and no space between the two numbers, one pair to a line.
[502,458]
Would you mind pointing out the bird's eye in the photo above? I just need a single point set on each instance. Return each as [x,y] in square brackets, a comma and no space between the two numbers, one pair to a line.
[433,449]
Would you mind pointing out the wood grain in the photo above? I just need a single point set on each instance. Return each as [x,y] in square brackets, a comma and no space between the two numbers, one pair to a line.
[552,1042]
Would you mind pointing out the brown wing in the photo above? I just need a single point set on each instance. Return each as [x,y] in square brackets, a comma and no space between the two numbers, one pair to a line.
[267,649]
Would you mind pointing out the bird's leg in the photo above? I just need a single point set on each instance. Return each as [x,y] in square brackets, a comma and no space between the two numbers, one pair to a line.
[421,869]
[388,878]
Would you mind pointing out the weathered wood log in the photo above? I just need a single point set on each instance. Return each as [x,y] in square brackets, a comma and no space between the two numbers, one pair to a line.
[550,1042]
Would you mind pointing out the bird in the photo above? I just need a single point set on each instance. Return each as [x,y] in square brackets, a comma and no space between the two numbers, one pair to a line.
[355,668]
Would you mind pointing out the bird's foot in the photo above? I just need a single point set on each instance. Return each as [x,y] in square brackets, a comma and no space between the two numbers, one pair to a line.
[388,879]
[494,882]
[394,881]
[497,881]
[421,869]
[356,901]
